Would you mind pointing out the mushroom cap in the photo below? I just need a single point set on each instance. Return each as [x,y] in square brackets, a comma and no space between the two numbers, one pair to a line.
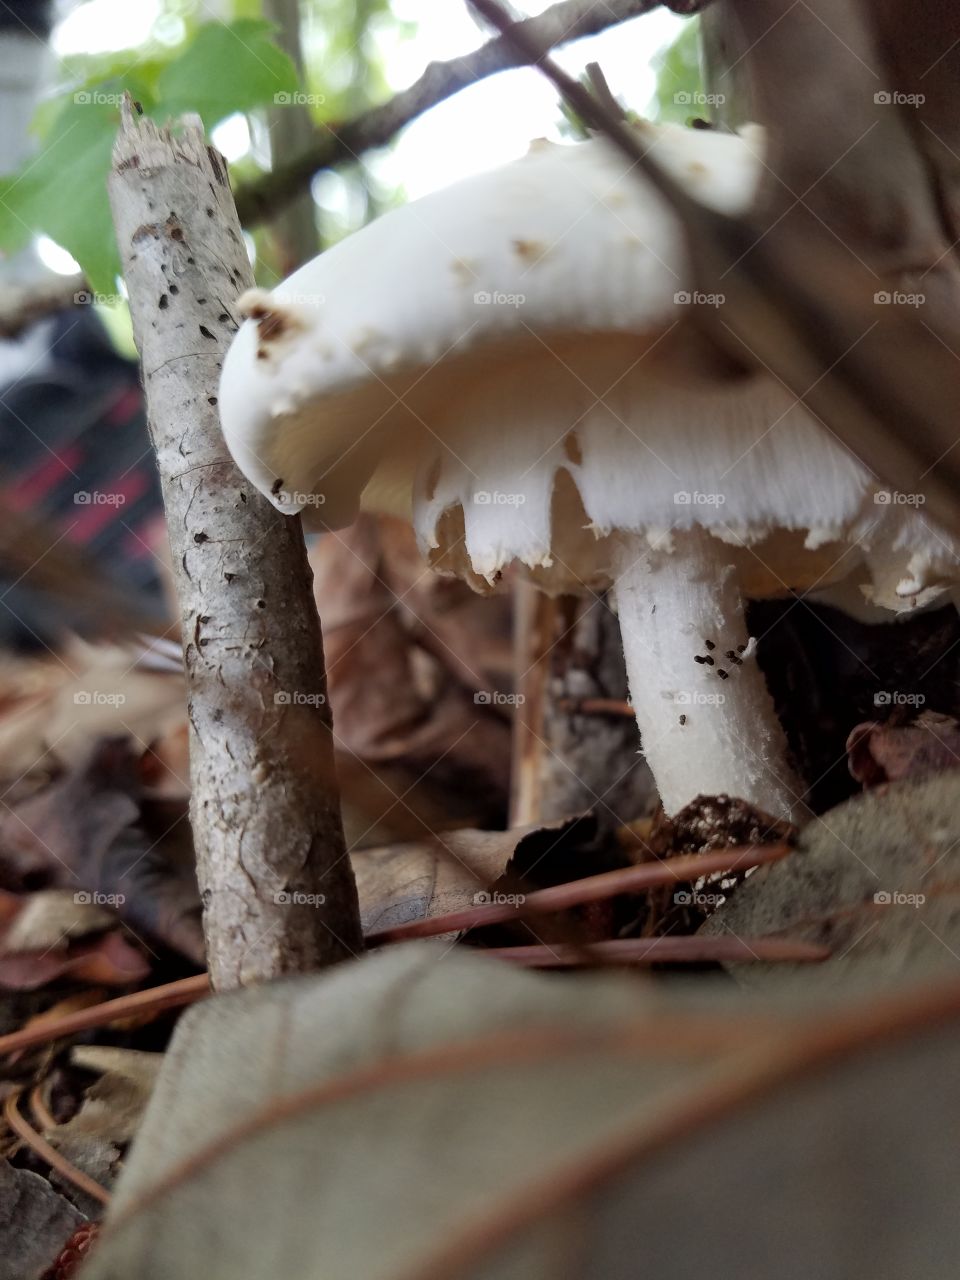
[494,362]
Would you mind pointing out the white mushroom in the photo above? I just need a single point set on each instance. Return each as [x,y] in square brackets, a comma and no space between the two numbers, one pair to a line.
[495,361]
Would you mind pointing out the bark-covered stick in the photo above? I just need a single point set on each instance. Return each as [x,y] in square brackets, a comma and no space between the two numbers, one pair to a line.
[277,886]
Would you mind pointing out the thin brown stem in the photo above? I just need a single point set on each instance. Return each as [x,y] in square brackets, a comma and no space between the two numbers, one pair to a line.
[680,870]
[53,1158]
[154,1000]
[693,950]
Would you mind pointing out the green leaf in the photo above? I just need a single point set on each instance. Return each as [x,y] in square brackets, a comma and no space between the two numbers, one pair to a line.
[679,82]
[15,233]
[227,68]
[62,191]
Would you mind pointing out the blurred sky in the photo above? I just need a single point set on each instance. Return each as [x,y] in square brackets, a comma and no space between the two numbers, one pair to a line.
[483,126]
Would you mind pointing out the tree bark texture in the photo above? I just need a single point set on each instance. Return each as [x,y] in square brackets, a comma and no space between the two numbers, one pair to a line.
[277,887]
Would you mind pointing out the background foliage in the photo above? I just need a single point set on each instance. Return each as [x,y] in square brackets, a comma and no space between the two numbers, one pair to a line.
[220,70]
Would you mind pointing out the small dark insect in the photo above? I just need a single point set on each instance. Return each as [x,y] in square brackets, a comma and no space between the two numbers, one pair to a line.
[709,644]
[698,657]
[683,719]
[741,648]
[734,658]
[722,674]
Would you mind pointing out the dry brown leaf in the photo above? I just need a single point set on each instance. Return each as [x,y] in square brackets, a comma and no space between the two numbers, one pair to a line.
[87,692]
[113,1105]
[401,883]
[109,961]
[416,751]
[891,752]
[50,919]
[94,831]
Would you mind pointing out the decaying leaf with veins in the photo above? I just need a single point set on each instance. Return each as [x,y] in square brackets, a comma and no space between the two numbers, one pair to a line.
[429,1115]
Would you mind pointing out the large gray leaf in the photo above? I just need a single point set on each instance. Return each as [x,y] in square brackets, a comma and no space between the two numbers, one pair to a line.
[877,880]
[428,1113]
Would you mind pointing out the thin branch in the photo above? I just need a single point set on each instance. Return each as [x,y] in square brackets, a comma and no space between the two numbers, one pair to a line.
[531,49]
[602,90]
[535,625]
[615,707]
[277,886]
[562,23]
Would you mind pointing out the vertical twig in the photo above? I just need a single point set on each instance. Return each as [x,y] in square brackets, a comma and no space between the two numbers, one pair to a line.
[291,131]
[277,887]
[534,625]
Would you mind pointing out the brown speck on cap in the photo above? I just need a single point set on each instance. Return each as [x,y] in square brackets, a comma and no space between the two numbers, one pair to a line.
[530,251]
[274,322]
[463,272]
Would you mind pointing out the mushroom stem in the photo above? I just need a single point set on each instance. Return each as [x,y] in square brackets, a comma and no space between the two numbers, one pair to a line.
[706,718]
